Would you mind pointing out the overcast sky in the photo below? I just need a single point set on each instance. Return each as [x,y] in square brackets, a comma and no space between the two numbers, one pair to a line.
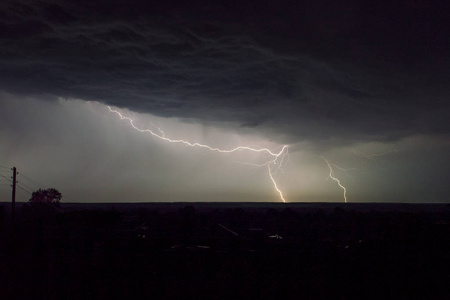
[362,86]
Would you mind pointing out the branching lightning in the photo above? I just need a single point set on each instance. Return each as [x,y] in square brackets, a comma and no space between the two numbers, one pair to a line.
[335,178]
[274,163]
[276,159]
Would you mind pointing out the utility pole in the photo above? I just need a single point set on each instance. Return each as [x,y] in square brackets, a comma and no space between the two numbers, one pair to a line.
[13,206]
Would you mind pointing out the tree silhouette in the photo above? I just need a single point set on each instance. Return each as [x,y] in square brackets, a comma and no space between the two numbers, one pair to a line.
[43,202]
[49,196]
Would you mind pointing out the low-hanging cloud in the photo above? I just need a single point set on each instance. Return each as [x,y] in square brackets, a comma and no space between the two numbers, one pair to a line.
[280,73]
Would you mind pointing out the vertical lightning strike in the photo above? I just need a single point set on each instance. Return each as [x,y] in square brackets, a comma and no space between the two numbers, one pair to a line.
[277,158]
[275,184]
[335,179]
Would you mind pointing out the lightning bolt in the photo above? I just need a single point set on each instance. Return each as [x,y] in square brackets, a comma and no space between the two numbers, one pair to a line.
[276,158]
[345,170]
[334,178]
[373,155]
[275,184]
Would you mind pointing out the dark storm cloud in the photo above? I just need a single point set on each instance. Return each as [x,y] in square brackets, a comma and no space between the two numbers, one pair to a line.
[313,70]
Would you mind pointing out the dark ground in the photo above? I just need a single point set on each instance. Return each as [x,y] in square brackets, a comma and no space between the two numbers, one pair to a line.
[226,251]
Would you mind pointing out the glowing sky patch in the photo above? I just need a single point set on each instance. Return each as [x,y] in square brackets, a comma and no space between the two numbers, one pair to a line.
[90,155]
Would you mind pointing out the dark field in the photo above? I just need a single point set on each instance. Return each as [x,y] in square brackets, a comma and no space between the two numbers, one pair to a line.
[227,251]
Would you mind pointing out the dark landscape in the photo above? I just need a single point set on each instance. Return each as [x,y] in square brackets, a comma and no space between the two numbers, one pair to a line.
[226,250]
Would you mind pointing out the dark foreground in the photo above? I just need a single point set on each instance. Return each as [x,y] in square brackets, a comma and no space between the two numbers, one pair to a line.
[227,251]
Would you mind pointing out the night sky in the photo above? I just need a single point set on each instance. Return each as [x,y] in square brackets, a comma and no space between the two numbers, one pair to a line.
[364,85]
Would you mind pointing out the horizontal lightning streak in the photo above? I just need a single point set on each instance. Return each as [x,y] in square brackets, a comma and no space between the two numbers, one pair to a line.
[162,137]
[373,155]
[343,169]
[275,155]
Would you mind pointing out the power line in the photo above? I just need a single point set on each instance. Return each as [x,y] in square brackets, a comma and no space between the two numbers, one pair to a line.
[31,180]
[24,189]
[33,187]
[27,185]
[6,178]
